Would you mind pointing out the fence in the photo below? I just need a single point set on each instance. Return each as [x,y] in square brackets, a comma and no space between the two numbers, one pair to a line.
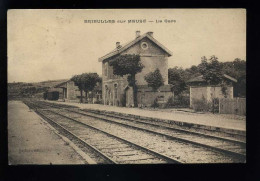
[232,106]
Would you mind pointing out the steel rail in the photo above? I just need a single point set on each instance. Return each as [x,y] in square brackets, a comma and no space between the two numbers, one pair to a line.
[179,129]
[230,153]
[154,153]
[243,144]
[212,148]
[104,156]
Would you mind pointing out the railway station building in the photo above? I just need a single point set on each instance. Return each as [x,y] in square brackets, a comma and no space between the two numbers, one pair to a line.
[153,55]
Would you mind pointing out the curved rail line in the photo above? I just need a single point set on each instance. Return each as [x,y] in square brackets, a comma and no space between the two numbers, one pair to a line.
[106,158]
[155,155]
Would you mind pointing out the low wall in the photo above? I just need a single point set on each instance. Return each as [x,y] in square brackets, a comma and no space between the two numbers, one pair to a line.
[232,106]
[148,98]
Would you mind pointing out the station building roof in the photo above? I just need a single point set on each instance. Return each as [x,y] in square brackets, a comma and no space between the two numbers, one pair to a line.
[124,47]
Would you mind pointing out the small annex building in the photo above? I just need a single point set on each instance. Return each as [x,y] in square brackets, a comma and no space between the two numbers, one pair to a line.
[70,91]
[52,93]
[153,55]
[199,88]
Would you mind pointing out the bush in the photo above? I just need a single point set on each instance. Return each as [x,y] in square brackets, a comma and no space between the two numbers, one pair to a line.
[201,105]
[99,102]
[215,105]
[155,103]
[204,106]
[170,102]
[178,101]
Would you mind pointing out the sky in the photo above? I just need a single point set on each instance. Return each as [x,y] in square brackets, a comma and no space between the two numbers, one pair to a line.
[57,44]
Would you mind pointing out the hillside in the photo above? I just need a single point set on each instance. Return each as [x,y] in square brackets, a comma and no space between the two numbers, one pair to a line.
[49,83]
[23,89]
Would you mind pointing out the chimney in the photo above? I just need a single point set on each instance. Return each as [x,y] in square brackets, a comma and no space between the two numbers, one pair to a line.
[118,45]
[150,33]
[137,34]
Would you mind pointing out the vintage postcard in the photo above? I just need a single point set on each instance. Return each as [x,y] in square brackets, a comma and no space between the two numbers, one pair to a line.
[126,86]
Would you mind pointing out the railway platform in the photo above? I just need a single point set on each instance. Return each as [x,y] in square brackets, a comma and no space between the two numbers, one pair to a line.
[32,141]
[230,123]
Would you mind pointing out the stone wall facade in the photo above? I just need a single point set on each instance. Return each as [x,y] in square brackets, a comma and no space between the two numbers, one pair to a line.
[152,58]
[71,90]
[113,91]
[115,87]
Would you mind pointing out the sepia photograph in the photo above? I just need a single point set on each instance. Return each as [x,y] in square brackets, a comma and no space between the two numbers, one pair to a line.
[126,86]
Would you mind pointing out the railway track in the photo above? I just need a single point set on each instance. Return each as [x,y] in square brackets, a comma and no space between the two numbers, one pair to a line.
[111,148]
[216,141]
[180,127]
[225,150]
[236,137]
[231,147]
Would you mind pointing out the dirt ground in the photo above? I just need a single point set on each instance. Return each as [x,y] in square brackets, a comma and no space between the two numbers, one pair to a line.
[31,141]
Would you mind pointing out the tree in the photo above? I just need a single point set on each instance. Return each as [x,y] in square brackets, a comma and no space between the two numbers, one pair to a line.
[86,82]
[154,79]
[240,86]
[28,91]
[129,64]
[89,81]
[176,78]
[77,79]
[191,72]
[237,69]
[211,70]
